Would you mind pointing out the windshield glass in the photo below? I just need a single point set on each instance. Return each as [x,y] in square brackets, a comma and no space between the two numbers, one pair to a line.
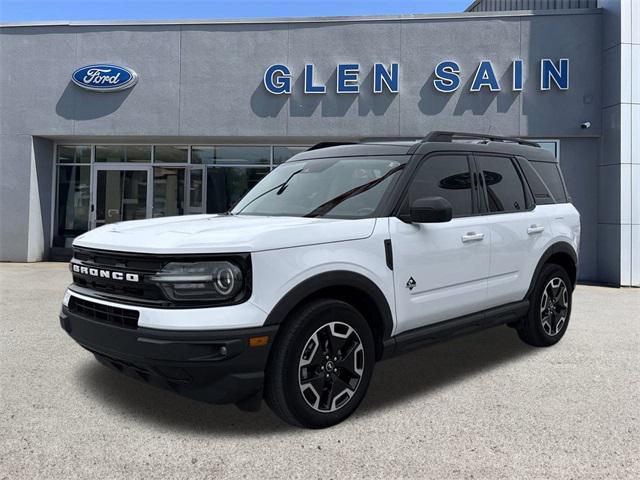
[326,187]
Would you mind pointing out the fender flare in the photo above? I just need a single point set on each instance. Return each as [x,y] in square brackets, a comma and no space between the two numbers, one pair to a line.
[558,247]
[333,279]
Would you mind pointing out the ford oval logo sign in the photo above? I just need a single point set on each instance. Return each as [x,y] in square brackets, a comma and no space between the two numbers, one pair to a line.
[104,77]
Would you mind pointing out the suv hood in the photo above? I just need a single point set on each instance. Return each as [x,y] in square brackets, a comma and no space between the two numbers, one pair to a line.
[222,233]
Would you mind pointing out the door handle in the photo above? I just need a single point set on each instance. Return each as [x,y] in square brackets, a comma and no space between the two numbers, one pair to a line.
[472,237]
[535,229]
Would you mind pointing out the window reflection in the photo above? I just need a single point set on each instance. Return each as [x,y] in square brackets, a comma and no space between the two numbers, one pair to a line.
[227,185]
[74,154]
[123,153]
[168,191]
[170,154]
[73,202]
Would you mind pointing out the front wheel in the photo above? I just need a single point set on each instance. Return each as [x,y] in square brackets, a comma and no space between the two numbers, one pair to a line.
[321,365]
[549,308]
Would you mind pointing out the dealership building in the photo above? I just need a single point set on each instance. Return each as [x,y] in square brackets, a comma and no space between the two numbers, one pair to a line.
[109,121]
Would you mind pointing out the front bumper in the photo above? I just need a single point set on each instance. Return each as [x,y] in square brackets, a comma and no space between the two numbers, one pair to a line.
[215,366]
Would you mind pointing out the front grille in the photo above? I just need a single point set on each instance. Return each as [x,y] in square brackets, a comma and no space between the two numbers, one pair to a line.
[143,292]
[121,317]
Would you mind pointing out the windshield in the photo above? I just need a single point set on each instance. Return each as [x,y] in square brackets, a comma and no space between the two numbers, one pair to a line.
[327,187]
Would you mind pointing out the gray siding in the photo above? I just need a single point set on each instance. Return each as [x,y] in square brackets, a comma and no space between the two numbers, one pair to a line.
[206,80]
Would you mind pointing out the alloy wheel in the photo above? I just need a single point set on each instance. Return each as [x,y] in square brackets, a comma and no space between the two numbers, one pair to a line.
[554,306]
[331,367]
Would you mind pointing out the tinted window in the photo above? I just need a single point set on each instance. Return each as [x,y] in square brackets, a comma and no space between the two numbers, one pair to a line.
[505,191]
[444,176]
[541,193]
[551,176]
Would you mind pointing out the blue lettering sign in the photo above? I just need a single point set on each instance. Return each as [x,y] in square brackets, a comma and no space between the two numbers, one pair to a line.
[104,77]
[309,87]
[277,79]
[447,75]
[485,77]
[347,78]
[382,75]
[517,76]
[548,72]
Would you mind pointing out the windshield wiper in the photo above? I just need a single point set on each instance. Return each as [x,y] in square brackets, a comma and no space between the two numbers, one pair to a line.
[281,188]
[329,205]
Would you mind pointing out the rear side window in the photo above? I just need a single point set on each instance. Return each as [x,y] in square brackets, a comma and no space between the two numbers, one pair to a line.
[446,176]
[541,193]
[505,190]
[550,173]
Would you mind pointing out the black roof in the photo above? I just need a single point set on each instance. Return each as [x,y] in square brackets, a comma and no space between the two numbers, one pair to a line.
[434,141]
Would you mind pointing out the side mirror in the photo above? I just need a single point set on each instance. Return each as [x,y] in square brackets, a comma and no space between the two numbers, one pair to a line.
[430,210]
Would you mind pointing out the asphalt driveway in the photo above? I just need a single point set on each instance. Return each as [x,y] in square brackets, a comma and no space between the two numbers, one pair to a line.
[483,406]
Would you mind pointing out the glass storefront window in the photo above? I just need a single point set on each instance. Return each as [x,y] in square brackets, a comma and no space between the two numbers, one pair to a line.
[232,155]
[282,154]
[195,189]
[168,191]
[123,153]
[121,195]
[227,185]
[202,155]
[244,155]
[73,202]
[551,146]
[124,174]
[74,154]
[171,154]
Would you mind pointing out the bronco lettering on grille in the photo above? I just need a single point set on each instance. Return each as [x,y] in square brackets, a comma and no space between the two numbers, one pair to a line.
[102,273]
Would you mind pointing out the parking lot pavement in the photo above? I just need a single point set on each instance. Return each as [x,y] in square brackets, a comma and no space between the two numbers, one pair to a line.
[483,406]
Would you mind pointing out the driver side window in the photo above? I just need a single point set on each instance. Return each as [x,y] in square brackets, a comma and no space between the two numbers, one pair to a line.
[446,176]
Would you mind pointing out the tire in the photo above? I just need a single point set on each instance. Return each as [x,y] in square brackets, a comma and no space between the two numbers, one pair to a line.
[320,365]
[549,308]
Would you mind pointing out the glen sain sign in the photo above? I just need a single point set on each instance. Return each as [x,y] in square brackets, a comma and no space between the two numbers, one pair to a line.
[278,77]
[102,77]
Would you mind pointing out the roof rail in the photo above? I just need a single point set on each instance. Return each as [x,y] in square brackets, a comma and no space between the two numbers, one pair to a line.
[438,136]
[320,145]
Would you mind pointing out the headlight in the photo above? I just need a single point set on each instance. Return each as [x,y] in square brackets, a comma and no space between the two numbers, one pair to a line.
[200,281]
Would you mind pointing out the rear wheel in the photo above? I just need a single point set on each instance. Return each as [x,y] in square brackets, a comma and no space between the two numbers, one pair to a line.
[549,308]
[321,365]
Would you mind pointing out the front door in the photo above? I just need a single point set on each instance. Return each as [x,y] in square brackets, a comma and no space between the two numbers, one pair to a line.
[120,193]
[441,269]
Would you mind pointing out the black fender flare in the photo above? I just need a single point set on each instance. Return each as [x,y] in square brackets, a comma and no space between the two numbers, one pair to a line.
[332,279]
[558,247]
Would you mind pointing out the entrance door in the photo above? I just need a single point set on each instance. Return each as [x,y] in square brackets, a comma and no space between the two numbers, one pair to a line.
[120,193]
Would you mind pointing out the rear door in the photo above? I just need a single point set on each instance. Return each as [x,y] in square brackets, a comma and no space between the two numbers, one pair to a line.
[520,232]
[440,269]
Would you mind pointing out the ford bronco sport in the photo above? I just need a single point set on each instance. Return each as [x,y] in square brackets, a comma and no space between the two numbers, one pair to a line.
[342,256]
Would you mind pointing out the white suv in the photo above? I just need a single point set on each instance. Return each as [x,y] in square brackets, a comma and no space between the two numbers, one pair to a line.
[340,257]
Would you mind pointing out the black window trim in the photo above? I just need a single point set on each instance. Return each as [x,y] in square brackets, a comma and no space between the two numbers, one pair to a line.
[417,164]
[520,160]
[529,199]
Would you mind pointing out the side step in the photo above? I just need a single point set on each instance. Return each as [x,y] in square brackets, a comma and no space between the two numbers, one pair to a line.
[442,331]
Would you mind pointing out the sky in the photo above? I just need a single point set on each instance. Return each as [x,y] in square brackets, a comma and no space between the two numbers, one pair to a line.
[42,10]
